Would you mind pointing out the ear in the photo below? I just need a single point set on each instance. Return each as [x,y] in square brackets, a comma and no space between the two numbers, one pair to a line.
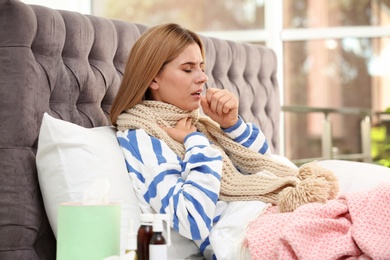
[153,84]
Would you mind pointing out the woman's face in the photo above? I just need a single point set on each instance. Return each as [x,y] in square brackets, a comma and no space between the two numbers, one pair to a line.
[181,81]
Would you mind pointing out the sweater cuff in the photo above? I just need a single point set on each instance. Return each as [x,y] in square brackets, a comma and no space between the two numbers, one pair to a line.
[235,130]
[195,139]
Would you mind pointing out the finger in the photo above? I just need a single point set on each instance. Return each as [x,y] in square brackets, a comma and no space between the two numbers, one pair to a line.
[218,100]
[223,104]
[167,129]
[210,92]
[226,108]
[230,104]
[162,126]
[212,99]
[188,123]
[182,122]
[205,105]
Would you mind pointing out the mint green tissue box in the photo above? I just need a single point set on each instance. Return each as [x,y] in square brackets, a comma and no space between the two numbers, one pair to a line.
[88,232]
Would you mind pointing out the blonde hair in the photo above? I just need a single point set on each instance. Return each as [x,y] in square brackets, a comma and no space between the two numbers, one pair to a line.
[155,48]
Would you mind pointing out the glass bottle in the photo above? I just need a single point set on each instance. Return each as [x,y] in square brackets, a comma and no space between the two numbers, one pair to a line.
[145,233]
[158,249]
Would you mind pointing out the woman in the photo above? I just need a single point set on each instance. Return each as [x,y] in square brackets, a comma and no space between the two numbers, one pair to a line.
[186,164]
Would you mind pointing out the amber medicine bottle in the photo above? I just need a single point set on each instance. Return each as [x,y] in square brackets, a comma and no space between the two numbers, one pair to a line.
[145,233]
[158,249]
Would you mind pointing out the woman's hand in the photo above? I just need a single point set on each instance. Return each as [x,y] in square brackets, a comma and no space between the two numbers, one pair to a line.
[183,128]
[221,106]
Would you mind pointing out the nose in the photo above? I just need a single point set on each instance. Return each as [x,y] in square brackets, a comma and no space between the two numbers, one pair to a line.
[202,78]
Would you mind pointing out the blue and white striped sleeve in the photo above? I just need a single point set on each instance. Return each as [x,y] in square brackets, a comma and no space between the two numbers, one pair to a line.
[249,135]
[185,189]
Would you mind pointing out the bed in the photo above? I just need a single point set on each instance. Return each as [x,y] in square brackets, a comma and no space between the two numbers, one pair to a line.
[59,73]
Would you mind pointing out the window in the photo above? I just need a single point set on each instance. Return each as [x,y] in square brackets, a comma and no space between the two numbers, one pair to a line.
[228,19]
[334,56]
[335,13]
[331,54]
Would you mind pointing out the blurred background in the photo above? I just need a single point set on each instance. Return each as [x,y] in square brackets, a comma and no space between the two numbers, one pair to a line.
[332,56]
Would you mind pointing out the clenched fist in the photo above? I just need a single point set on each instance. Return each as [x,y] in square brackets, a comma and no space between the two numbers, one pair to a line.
[221,106]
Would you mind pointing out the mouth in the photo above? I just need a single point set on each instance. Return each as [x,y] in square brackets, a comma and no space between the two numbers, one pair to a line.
[197,93]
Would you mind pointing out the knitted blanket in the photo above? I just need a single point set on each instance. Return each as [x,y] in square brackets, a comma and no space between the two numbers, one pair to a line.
[354,225]
[265,179]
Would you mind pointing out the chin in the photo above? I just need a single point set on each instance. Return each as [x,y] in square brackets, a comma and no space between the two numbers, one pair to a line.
[190,107]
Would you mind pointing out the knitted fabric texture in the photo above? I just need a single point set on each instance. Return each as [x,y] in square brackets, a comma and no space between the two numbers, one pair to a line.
[258,177]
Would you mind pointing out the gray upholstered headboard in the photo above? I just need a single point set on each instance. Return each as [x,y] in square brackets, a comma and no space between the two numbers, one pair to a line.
[70,65]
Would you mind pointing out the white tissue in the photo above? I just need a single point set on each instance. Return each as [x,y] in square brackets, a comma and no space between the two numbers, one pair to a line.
[97,193]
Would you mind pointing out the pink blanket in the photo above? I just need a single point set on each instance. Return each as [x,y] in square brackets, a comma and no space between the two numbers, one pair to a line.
[354,226]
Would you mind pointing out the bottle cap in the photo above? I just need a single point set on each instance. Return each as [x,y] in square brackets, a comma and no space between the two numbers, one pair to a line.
[146,218]
[158,223]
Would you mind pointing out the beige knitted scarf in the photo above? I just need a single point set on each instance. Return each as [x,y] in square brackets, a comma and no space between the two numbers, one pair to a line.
[258,177]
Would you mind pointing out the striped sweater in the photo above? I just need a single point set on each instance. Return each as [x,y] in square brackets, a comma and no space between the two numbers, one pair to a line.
[187,190]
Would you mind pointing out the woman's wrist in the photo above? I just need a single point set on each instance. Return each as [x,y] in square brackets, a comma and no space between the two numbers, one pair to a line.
[230,124]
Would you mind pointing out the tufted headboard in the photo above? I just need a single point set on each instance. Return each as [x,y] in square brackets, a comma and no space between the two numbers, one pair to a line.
[70,66]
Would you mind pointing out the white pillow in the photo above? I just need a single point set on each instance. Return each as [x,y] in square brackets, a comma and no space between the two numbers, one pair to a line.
[357,176]
[70,157]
